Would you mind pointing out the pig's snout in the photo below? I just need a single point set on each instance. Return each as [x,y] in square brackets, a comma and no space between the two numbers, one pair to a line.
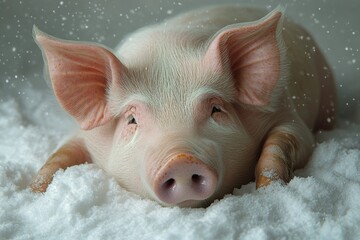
[184,178]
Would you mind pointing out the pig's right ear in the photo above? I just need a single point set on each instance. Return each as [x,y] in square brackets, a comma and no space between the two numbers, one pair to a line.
[81,74]
[253,54]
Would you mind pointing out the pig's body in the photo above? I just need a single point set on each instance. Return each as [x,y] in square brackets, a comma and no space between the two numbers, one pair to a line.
[201,104]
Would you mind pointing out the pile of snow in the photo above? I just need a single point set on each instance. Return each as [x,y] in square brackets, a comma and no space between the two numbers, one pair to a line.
[321,202]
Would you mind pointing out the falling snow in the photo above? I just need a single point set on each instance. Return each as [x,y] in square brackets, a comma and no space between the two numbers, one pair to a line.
[322,198]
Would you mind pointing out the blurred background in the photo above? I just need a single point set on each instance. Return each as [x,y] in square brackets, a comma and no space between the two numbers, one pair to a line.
[334,24]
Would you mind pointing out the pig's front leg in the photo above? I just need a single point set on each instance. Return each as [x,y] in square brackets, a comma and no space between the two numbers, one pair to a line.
[287,147]
[71,153]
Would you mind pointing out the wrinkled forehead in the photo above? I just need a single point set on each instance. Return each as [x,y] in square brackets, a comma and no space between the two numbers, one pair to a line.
[173,83]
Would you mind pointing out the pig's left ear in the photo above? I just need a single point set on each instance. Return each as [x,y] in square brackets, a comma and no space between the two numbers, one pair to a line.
[81,74]
[252,52]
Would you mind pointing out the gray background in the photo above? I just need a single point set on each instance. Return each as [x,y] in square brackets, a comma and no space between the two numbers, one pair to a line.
[334,24]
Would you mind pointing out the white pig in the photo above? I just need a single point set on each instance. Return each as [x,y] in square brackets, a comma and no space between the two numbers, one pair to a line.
[187,110]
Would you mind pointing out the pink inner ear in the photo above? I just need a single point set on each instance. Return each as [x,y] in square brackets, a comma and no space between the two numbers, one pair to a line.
[80,75]
[254,58]
[257,69]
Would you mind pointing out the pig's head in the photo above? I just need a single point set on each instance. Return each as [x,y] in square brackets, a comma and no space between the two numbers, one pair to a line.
[175,116]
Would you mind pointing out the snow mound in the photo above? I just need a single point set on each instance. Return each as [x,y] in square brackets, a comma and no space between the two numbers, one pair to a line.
[321,202]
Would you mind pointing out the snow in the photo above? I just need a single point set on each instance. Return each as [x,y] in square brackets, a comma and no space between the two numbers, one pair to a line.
[321,202]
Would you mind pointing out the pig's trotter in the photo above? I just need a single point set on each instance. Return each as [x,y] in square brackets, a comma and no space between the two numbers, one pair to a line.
[70,154]
[41,182]
[285,149]
[266,177]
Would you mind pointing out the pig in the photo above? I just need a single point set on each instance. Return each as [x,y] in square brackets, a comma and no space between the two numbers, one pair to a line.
[186,110]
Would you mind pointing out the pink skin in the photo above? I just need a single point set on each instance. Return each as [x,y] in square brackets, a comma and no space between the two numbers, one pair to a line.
[184,178]
[198,115]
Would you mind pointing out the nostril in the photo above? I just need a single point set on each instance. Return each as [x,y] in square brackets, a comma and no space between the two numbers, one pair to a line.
[197,179]
[199,183]
[169,184]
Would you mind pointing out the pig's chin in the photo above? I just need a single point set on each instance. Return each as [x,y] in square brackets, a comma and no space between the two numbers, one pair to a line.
[187,204]
[194,204]
[191,203]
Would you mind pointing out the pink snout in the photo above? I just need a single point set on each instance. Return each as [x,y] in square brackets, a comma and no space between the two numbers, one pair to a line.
[184,178]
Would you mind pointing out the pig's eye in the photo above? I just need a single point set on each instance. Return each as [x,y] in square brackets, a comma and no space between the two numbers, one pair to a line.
[132,120]
[215,110]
